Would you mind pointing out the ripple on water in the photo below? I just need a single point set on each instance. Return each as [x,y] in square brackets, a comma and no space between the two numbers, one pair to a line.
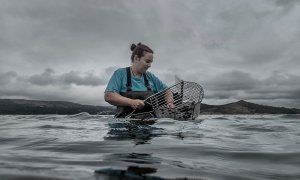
[48,126]
[220,147]
[290,116]
[260,128]
[220,118]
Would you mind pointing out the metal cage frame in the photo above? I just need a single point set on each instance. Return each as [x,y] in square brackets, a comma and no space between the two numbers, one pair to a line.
[186,97]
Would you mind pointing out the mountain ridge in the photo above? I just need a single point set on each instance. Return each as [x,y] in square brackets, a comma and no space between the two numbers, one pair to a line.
[39,107]
[244,107]
[28,107]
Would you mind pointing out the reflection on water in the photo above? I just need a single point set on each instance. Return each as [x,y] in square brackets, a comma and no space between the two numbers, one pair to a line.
[140,132]
[83,146]
[136,172]
[132,172]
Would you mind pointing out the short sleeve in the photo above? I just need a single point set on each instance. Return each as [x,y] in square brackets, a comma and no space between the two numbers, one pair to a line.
[115,82]
[158,84]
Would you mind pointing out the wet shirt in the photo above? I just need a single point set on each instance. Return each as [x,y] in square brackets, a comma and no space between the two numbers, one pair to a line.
[118,82]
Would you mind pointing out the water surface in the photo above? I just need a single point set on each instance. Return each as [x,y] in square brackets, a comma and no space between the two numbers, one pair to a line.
[99,147]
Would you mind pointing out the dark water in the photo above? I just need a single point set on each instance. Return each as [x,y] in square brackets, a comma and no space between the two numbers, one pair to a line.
[98,147]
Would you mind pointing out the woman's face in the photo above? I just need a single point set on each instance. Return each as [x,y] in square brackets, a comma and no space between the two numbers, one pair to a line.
[144,63]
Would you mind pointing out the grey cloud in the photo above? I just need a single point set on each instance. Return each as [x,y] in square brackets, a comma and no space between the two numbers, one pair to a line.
[210,94]
[62,31]
[287,5]
[110,70]
[46,78]
[50,78]
[234,80]
[87,79]
[253,33]
[237,85]
[26,91]
[52,86]
[276,87]
[283,79]
[7,77]
[279,89]
[230,47]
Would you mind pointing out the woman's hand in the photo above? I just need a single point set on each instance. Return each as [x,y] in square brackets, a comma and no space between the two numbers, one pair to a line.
[170,105]
[137,104]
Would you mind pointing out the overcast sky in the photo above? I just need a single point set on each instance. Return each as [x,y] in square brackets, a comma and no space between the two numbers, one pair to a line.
[68,49]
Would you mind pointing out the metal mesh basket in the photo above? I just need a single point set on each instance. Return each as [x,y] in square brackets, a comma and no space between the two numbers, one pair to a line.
[186,96]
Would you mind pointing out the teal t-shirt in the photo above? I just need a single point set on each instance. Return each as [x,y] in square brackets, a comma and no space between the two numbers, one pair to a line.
[118,81]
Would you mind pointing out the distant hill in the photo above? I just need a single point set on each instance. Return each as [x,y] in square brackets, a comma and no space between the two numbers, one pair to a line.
[21,106]
[244,107]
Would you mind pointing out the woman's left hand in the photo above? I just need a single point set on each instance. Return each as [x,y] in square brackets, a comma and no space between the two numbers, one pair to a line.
[170,105]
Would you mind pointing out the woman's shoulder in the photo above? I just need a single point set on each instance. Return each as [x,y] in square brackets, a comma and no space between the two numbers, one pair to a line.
[150,74]
[157,82]
[120,71]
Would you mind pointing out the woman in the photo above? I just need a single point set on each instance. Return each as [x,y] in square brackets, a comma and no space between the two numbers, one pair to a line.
[129,87]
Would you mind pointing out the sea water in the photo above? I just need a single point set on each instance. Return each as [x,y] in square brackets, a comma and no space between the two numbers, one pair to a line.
[92,147]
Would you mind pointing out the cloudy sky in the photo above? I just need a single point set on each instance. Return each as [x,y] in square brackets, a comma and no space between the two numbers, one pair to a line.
[68,49]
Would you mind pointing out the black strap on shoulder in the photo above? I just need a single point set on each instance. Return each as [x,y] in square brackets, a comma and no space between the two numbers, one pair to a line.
[129,85]
[128,79]
[146,82]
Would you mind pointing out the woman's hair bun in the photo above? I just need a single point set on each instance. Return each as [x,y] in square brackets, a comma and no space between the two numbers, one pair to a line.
[132,47]
[139,49]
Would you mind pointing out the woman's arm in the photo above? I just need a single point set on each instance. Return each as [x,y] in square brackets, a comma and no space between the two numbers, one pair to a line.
[169,99]
[118,100]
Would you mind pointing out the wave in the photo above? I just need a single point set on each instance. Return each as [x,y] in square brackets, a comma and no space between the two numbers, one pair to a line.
[290,116]
[48,126]
[223,147]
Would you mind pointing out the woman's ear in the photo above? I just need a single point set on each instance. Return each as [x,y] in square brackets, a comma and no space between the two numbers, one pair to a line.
[135,58]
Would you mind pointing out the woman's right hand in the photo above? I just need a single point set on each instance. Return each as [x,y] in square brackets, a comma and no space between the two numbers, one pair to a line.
[137,104]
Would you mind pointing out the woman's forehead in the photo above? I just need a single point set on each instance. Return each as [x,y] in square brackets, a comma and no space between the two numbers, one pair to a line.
[148,55]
